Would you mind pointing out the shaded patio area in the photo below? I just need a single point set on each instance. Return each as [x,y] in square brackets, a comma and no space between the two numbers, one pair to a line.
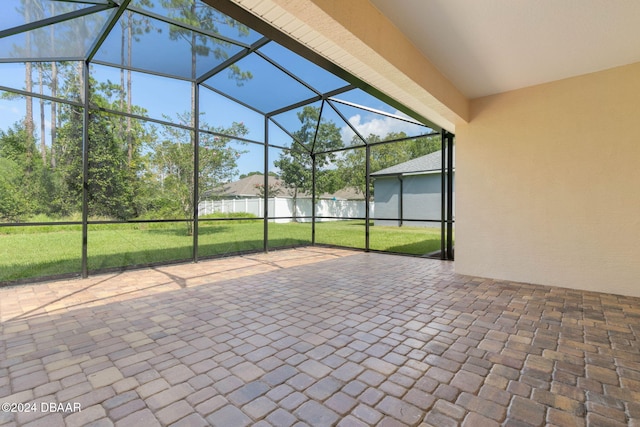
[319,337]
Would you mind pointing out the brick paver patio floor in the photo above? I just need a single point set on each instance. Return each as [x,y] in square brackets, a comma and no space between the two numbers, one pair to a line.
[316,337]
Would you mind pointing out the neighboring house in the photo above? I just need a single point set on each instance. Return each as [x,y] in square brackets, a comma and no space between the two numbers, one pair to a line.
[246,195]
[347,193]
[410,191]
[253,186]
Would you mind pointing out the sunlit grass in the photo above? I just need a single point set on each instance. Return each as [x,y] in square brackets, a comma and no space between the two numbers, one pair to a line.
[406,240]
[40,251]
[37,254]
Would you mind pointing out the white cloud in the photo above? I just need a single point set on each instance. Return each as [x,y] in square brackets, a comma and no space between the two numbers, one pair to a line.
[381,126]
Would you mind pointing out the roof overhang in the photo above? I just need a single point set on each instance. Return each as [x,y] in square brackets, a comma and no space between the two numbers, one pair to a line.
[339,32]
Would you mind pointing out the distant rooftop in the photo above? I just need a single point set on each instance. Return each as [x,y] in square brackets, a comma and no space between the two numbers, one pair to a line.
[251,186]
[430,163]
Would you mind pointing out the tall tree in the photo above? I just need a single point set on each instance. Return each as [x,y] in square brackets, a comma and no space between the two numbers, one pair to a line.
[54,112]
[13,201]
[28,120]
[23,173]
[54,92]
[131,28]
[43,146]
[68,173]
[198,15]
[32,10]
[113,180]
[296,165]
[172,163]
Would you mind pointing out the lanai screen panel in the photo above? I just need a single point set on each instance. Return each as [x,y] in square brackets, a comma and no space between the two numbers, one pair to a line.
[318,79]
[268,89]
[68,39]
[199,16]
[134,102]
[155,46]
[21,12]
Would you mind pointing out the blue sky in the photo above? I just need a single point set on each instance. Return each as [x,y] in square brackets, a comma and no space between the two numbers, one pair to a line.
[164,98]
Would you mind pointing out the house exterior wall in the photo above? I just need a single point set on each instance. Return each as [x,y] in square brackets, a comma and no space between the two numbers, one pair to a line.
[386,199]
[549,184]
[421,200]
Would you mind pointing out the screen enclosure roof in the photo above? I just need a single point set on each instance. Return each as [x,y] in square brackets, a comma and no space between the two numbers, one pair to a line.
[239,58]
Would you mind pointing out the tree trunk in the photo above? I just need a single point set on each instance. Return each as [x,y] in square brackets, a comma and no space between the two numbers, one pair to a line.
[43,145]
[294,214]
[28,120]
[54,93]
[122,57]
[193,120]
[80,74]
[54,111]
[129,49]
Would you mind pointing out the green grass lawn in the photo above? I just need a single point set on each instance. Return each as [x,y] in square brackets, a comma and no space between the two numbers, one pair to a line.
[38,251]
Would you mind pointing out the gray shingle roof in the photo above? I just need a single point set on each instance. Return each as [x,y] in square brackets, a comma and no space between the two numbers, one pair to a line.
[248,187]
[428,163]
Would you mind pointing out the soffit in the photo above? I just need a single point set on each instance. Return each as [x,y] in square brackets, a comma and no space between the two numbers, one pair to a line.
[492,46]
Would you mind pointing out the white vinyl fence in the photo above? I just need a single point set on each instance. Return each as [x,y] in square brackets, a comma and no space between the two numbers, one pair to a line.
[283,207]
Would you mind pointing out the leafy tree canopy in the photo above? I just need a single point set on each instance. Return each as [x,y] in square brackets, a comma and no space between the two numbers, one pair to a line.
[245,175]
[296,165]
[171,162]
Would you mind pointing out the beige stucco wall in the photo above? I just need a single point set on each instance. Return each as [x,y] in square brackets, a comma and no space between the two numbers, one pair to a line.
[548,184]
[388,47]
